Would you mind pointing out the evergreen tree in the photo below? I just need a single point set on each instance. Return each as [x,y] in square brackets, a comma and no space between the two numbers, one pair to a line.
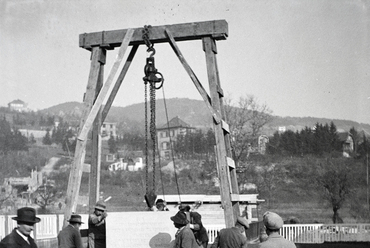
[47,139]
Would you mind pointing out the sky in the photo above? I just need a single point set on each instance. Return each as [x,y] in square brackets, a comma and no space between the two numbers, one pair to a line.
[301,58]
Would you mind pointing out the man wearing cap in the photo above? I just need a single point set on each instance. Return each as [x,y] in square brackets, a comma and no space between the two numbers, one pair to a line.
[70,236]
[233,237]
[97,226]
[273,222]
[184,236]
[196,225]
[20,236]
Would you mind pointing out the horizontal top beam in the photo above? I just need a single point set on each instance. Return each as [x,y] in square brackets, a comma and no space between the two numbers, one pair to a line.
[218,29]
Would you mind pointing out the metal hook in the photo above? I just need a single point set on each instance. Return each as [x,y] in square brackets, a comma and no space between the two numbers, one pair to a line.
[152,50]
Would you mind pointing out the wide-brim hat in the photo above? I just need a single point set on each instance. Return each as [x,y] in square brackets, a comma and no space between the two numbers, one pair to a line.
[75,218]
[180,218]
[27,215]
[100,205]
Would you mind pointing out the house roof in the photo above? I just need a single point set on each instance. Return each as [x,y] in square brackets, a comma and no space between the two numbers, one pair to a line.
[175,122]
[343,136]
[17,102]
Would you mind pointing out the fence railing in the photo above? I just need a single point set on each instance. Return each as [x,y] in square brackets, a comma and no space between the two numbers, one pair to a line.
[50,226]
[319,233]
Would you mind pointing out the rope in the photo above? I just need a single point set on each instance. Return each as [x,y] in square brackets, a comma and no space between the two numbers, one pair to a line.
[172,153]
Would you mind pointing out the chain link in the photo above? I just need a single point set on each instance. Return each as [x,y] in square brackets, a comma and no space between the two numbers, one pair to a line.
[146,137]
[145,37]
[153,127]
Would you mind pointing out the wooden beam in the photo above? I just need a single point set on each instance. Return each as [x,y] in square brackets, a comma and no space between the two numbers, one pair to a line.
[104,91]
[216,116]
[217,29]
[231,209]
[94,176]
[118,83]
[75,175]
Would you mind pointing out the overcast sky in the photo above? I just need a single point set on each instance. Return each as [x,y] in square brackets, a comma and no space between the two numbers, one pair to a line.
[300,57]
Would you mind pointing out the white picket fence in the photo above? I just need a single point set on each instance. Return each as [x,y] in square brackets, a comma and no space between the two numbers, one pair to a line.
[319,233]
[50,226]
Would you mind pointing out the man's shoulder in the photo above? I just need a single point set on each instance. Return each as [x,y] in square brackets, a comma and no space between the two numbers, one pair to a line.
[10,239]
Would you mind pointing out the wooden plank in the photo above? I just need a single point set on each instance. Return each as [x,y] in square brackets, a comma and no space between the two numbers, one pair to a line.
[102,94]
[218,29]
[230,162]
[94,176]
[225,126]
[231,210]
[198,85]
[74,181]
[119,82]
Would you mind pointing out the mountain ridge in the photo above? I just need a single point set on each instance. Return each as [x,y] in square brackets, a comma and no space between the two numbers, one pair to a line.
[195,113]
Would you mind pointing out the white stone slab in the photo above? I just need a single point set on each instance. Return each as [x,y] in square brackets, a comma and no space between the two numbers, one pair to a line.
[140,229]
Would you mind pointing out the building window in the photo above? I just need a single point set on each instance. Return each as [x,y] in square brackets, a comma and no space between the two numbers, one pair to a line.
[167,154]
[110,157]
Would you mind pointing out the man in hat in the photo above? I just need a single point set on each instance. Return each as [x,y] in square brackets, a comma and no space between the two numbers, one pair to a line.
[184,237]
[273,222]
[233,237]
[97,226]
[70,236]
[20,236]
[196,225]
[160,205]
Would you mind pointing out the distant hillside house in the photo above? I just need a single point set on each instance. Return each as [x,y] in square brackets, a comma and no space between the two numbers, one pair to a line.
[109,129]
[169,133]
[18,105]
[347,142]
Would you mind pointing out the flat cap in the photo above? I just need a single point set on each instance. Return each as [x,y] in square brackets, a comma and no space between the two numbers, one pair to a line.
[272,221]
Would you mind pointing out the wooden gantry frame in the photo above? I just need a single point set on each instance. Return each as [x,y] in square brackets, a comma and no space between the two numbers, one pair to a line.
[97,92]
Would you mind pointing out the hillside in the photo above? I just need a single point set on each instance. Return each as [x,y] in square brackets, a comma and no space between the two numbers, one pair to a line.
[193,112]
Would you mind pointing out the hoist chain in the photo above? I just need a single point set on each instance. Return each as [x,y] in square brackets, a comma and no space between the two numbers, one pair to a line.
[146,137]
[152,77]
[145,37]
[153,128]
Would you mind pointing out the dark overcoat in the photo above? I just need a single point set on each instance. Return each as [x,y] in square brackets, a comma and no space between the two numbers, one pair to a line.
[14,240]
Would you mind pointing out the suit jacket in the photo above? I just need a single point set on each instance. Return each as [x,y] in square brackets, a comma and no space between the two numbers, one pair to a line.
[69,237]
[200,234]
[230,238]
[14,240]
[185,238]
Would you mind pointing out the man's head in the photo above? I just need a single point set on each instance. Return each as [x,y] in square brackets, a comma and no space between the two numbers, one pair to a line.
[179,220]
[75,220]
[160,204]
[184,208]
[272,221]
[26,218]
[242,224]
[100,208]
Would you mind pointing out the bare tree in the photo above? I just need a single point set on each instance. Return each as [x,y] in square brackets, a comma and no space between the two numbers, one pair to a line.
[246,119]
[335,183]
[46,195]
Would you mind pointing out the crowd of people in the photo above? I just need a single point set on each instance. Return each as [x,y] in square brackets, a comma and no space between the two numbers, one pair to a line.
[190,230]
